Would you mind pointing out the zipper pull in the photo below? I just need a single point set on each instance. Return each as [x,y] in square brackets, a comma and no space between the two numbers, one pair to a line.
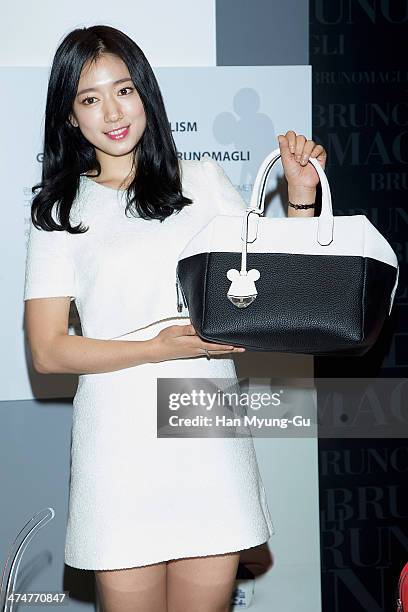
[179,290]
[179,304]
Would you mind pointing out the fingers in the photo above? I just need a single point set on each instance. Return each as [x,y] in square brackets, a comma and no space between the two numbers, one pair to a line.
[303,149]
[213,346]
[210,346]
[296,143]
[284,147]
[300,145]
[291,138]
[237,349]
[216,347]
[305,153]
[319,152]
[189,330]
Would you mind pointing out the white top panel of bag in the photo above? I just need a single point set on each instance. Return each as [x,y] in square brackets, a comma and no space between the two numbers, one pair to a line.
[122,271]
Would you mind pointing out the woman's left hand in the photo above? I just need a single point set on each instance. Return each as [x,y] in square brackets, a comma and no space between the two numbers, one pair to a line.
[295,151]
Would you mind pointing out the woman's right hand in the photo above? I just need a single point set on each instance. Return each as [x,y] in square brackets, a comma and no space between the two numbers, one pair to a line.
[180,341]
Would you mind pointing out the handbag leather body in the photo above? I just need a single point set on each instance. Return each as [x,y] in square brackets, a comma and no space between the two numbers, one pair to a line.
[320,285]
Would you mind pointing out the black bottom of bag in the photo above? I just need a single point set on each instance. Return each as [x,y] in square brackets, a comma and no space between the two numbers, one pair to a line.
[306,304]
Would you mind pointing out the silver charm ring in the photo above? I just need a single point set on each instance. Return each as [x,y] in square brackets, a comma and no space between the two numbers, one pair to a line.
[207,353]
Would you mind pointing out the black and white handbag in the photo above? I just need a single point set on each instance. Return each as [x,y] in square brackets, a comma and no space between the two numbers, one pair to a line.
[318,285]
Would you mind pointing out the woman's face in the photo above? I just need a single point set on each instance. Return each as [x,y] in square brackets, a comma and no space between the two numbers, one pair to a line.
[108,105]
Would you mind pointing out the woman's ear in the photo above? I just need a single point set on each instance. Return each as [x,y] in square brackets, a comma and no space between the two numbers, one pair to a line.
[73,121]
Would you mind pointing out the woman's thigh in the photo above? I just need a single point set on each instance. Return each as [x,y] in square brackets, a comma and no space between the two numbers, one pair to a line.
[202,584]
[137,589]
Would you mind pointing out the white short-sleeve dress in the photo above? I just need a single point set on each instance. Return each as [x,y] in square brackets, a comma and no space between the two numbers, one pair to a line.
[137,499]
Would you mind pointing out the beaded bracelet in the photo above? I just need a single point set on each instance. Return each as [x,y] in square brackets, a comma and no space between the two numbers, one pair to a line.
[301,205]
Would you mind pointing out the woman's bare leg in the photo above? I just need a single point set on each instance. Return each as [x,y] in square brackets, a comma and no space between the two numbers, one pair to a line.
[202,584]
[137,589]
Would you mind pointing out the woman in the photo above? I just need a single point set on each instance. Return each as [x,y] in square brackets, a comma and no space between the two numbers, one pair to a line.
[160,521]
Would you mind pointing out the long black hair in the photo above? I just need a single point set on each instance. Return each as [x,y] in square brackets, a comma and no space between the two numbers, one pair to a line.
[156,189]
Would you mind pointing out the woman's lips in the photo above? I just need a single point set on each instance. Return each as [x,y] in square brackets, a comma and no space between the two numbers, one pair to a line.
[118,134]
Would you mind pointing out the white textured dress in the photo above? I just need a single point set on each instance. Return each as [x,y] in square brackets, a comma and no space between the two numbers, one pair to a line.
[136,499]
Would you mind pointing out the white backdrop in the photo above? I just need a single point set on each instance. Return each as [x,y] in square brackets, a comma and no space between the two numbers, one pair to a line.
[177,33]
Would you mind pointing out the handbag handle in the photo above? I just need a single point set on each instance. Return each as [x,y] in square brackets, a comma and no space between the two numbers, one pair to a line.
[242,291]
[325,219]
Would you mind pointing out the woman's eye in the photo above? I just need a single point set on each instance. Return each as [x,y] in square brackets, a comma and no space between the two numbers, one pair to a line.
[123,88]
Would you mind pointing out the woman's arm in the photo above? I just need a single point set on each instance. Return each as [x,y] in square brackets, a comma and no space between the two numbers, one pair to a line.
[301,176]
[301,196]
[54,351]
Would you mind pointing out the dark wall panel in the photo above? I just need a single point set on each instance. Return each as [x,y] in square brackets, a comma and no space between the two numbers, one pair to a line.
[262,32]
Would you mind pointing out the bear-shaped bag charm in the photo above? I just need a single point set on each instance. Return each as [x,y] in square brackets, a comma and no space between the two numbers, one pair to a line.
[242,291]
